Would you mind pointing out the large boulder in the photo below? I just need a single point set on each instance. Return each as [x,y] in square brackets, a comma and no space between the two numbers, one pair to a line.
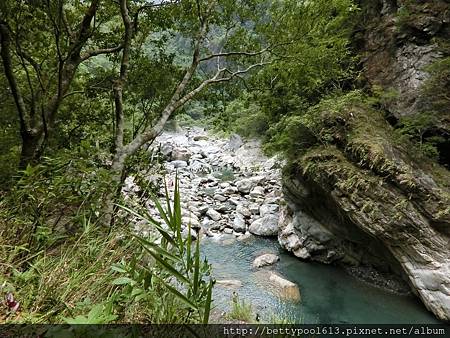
[265,226]
[265,260]
[181,154]
[285,288]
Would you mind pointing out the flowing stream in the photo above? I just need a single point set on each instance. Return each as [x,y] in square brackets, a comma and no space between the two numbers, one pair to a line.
[328,294]
[229,188]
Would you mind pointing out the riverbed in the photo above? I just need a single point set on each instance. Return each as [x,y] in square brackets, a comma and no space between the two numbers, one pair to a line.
[231,195]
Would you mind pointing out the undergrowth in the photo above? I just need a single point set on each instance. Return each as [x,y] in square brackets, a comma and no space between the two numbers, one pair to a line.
[57,265]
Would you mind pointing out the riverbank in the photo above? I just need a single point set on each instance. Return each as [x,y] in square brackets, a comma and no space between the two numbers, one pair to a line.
[231,197]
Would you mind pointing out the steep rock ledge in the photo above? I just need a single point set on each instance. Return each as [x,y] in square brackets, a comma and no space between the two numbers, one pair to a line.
[367,201]
[398,40]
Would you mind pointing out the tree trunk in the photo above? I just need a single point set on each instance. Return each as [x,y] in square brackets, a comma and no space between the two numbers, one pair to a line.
[117,170]
[31,148]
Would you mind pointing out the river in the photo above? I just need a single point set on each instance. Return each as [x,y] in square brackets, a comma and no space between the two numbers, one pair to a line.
[228,186]
[328,294]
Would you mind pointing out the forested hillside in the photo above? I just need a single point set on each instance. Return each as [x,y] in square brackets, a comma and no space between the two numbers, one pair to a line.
[349,98]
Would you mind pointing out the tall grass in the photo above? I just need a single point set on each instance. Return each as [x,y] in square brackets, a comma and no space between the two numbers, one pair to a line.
[83,273]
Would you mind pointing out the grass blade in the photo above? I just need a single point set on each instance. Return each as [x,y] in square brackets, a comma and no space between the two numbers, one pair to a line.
[196,267]
[166,265]
[178,294]
[208,302]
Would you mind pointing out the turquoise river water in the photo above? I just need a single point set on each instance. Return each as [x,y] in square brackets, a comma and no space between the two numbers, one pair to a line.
[328,294]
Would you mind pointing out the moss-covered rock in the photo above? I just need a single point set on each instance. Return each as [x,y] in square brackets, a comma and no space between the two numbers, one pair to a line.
[368,189]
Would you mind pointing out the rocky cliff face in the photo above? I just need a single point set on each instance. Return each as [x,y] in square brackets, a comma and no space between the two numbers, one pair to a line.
[399,39]
[363,198]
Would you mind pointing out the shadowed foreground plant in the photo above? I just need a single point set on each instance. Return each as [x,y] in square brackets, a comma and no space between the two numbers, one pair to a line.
[240,310]
[176,263]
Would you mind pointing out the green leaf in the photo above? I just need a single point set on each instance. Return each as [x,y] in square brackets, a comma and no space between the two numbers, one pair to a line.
[122,281]
[196,267]
[180,296]
[118,269]
[166,265]
[208,302]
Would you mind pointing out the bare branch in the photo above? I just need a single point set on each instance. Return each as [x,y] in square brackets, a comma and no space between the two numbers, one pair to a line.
[74,93]
[5,42]
[225,54]
[92,53]
[216,79]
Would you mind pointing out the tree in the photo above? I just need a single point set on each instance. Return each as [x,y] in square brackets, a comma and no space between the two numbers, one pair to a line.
[43,43]
[203,14]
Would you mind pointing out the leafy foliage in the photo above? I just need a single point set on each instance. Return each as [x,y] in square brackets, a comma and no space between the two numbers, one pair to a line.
[177,268]
[312,59]
[95,278]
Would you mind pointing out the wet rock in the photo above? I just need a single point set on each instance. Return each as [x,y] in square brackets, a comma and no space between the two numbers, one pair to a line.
[229,283]
[285,288]
[244,237]
[265,260]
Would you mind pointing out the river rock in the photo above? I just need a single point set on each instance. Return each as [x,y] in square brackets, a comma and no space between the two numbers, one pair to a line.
[265,260]
[285,288]
[257,192]
[179,164]
[185,233]
[166,149]
[181,154]
[220,198]
[243,210]
[200,166]
[265,226]
[191,219]
[268,209]
[229,283]
[213,214]
[244,186]
[200,138]
[253,208]
[239,223]
[244,237]
[228,231]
